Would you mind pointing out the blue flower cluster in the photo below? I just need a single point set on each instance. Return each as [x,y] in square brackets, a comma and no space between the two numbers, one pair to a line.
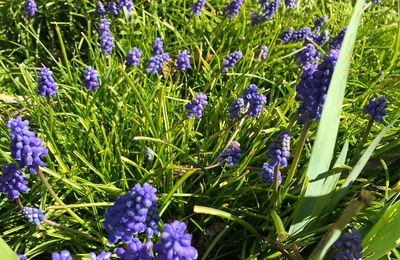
[195,107]
[233,8]
[25,147]
[231,60]
[102,256]
[112,8]
[125,3]
[319,22]
[106,39]
[158,46]
[63,255]
[286,36]
[134,250]
[348,246]
[183,60]
[279,153]
[308,55]
[376,108]
[236,109]
[12,181]
[251,100]
[130,213]
[304,34]
[337,41]
[301,34]
[33,215]
[100,10]
[263,53]
[21,256]
[156,63]
[46,85]
[268,10]
[148,154]
[133,57]
[91,80]
[312,89]
[175,243]
[290,3]
[197,7]
[30,7]
[231,155]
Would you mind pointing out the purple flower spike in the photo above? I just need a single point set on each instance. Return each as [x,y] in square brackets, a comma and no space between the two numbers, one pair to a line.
[348,246]
[106,39]
[231,155]
[290,3]
[175,243]
[134,250]
[183,60]
[12,181]
[319,22]
[286,35]
[102,256]
[279,151]
[46,85]
[148,154]
[158,46]
[236,109]
[376,108]
[100,10]
[267,174]
[253,101]
[130,214]
[125,3]
[263,54]
[63,255]
[231,60]
[195,107]
[30,7]
[25,147]
[112,8]
[197,7]
[269,8]
[308,55]
[337,41]
[91,80]
[156,63]
[21,256]
[33,215]
[301,34]
[233,8]
[133,57]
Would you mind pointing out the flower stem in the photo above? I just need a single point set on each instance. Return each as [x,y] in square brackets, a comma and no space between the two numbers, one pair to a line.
[82,205]
[19,203]
[74,231]
[365,136]
[275,199]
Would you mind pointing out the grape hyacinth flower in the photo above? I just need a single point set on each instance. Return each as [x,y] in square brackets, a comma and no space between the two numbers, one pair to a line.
[321,38]
[112,8]
[311,91]
[183,60]
[63,255]
[236,109]
[253,101]
[337,41]
[153,217]
[129,213]
[301,34]
[195,107]
[46,85]
[156,63]
[21,256]
[286,35]
[25,147]
[30,7]
[158,46]
[175,243]
[33,215]
[308,55]
[102,256]
[106,39]
[231,60]
[231,155]
[263,54]
[348,246]
[266,174]
[197,7]
[376,108]
[232,8]
[279,151]
[125,3]
[133,57]
[319,22]
[269,8]
[12,181]
[290,3]
[91,80]
[100,10]
[148,154]
[134,250]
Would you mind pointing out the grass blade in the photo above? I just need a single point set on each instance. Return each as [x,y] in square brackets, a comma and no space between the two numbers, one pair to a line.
[6,252]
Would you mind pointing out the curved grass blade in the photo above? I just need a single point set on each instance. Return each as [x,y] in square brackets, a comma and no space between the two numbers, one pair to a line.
[6,252]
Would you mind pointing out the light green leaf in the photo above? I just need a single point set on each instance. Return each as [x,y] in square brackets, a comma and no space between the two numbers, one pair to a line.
[6,252]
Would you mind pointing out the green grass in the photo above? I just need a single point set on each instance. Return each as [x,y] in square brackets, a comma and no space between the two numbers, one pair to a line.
[97,141]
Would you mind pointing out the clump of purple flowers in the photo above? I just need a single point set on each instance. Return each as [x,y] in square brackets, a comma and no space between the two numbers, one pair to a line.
[231,60]
[263,54]
[129,214]
[156,63]
[183,60]
[133,57]
[233,8]
[102,256]
[319,22]
[195,107]
[337,41]
[301,34]
[106,39]
[112,8]
[100,11]
[267,173]
[148,154]
[63,255]
[46,85]
[33,215]
[175,243]
[251,100]
[376,108]
[308,55]
[134,250]
[158,46]
[30,7]
[231,155]
[12,181]
[312,88]
[236,109]
[290,3]
[25,147]
[125,3]
[197,7]
[91,80]
[21,256]
[286,35]
[348,246]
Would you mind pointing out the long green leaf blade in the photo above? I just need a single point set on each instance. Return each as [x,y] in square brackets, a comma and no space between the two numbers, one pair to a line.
[6,252]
